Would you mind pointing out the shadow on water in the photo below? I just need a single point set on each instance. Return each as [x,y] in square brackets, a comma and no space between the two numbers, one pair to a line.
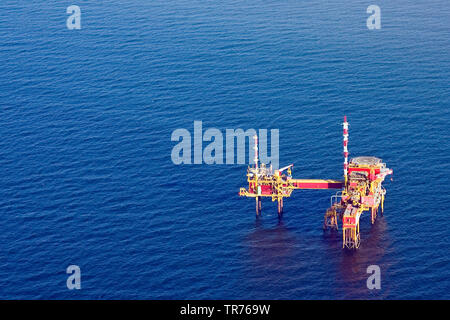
[279,261]
[351,268]
[270,247]
[272,250]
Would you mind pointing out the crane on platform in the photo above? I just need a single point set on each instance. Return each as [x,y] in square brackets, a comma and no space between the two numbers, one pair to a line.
[360,191]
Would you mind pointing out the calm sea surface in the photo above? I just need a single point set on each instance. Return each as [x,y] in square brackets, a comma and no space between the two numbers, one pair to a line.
[86,118]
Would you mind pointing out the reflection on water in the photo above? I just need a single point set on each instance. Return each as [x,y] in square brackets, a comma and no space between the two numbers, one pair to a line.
[285,261]
[271,260]
[270,247]
[352,265]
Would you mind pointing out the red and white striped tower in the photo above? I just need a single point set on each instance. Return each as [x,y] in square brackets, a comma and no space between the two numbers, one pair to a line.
[255,137]
[257,188]
[345,134]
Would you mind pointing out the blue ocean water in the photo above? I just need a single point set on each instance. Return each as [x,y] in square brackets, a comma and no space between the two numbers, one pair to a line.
[86,118]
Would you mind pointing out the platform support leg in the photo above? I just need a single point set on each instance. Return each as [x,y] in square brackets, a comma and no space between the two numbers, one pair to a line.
[280,207]
[373,214]
[351,237]
[258,206]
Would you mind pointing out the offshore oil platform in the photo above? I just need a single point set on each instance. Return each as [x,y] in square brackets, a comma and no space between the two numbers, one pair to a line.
[360,191]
